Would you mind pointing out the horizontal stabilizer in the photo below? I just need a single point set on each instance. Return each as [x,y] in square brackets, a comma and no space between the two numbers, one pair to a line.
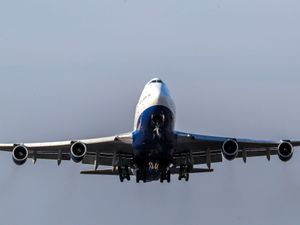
[116,173]
[195,170]
[102,172]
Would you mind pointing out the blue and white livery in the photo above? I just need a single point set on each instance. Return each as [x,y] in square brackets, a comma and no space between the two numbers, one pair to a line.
[154,150]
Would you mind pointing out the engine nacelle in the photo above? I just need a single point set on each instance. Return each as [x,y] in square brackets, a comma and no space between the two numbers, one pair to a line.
[78,151]
[230,149]
[285,151]
[20,154]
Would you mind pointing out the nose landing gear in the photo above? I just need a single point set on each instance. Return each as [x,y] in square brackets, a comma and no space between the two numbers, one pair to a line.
[158,121]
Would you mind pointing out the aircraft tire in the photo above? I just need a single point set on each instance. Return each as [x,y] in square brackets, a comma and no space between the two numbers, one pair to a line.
[169,176]
[187,177]
[138,176]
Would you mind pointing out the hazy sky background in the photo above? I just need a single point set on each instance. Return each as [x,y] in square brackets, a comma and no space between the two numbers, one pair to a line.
[75,69]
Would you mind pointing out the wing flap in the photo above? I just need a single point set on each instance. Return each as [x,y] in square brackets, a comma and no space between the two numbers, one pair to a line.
[256,153]
[200,158]
[49,156]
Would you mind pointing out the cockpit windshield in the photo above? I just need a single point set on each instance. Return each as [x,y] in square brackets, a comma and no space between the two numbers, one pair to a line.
[157,81]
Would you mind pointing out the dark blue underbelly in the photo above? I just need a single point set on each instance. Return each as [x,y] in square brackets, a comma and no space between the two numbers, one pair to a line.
[154,138]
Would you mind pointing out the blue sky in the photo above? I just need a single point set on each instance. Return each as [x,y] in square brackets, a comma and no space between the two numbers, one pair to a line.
[75,69]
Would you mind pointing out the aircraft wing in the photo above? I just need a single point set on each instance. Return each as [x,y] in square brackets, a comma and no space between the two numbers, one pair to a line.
[106,147]
[208,149]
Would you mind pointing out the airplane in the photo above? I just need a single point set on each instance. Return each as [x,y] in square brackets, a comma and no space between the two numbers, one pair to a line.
[154,150]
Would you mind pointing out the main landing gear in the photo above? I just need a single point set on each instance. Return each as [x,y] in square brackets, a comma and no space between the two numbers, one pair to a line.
[165,175]
[153,172]
[141,175]
[184,173]
[124,173]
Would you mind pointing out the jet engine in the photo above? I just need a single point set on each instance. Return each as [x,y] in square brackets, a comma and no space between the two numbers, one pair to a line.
[20,154]
[285,151]
[78,151]
[230,149]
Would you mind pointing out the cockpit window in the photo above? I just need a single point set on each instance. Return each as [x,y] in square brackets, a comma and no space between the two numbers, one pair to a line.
[156,81]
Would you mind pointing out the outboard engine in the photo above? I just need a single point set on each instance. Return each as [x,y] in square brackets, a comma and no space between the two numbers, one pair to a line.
[285,151]
[230,149]
[20,154]
[78,151]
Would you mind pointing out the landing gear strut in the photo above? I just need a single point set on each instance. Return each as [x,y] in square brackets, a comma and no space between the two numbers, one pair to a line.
[158,121]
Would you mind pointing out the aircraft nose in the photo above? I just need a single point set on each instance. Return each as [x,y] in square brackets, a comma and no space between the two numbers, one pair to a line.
[158,91]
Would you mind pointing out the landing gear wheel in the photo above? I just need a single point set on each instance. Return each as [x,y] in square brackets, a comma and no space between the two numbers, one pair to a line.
[121,175]
[127,173]
[168,176]
[138,176]
[162,176]
[187,177]
[184,173]
[161,179]
[121,178]
[141,175]
[144,175]
[165,175]
[181,173]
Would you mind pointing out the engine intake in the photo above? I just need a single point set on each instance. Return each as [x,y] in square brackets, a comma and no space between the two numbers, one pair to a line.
[78,151]
[230,149]
[285,151]
[20,154]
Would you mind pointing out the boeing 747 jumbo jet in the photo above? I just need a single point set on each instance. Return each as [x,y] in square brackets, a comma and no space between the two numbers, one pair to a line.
[154,150]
